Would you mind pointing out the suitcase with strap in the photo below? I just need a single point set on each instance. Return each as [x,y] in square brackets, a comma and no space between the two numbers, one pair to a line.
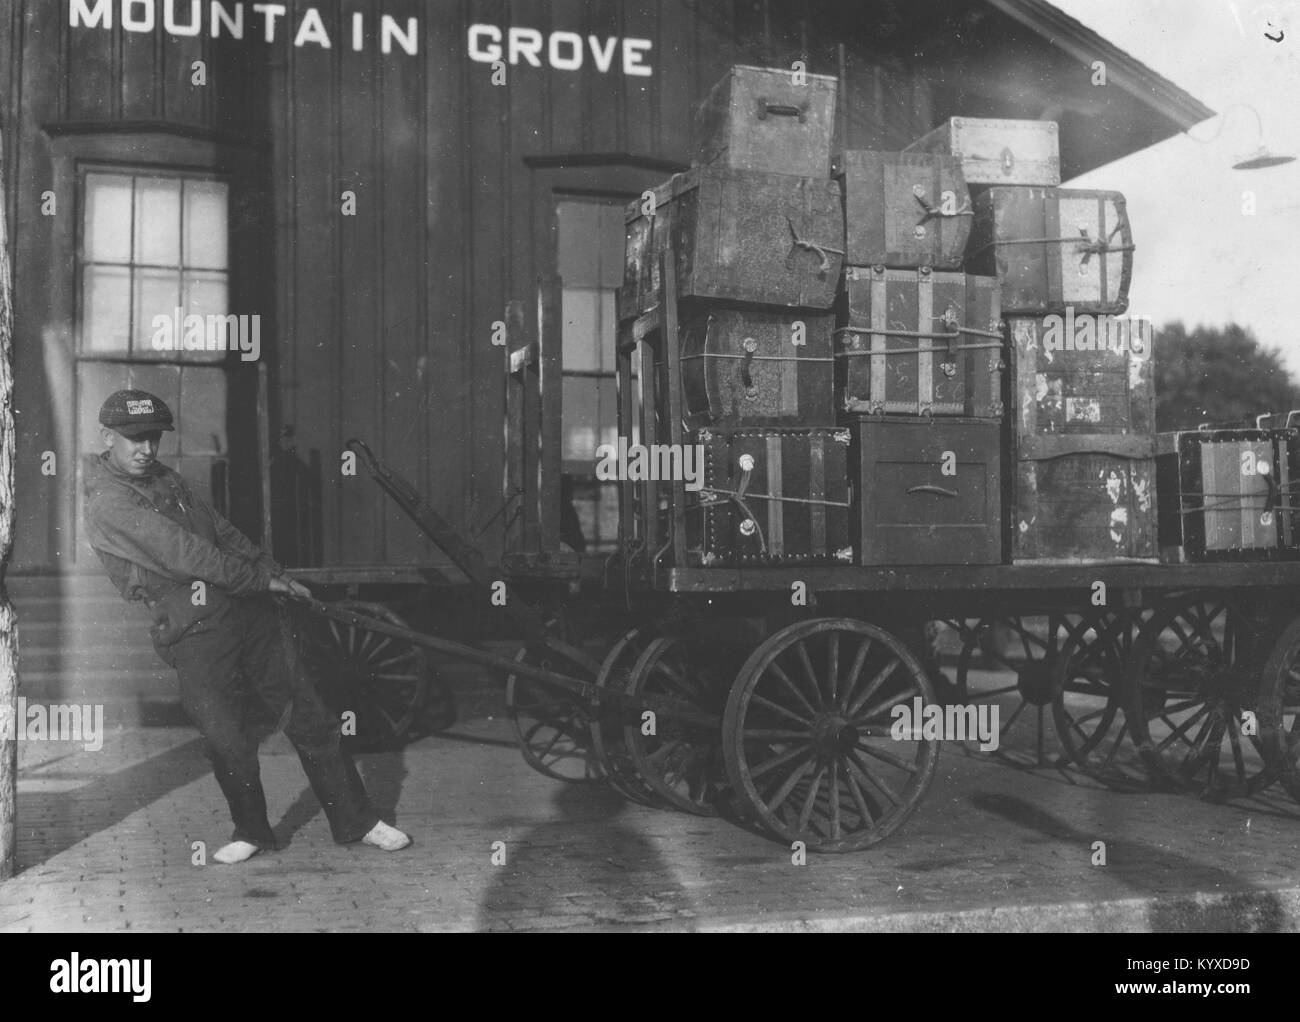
[919,342]
[1054,247]
[903,209]
[771,496]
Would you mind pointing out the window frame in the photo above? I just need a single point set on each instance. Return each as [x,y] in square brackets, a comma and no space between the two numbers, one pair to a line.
[133,170]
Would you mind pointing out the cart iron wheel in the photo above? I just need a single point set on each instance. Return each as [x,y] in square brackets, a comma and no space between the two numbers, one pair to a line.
[681,761]
[387,682]
[807,734]
[552,725]
[1279,708]
[607,737]
[1193,676]
[1089,709]
[1018,663]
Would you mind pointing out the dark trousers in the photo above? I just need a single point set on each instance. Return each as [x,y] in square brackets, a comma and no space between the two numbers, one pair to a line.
[240,654]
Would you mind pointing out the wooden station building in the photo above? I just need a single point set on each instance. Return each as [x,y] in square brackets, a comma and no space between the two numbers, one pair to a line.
[390,189]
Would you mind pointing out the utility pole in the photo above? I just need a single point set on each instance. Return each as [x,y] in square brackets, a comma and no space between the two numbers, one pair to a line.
[8,621]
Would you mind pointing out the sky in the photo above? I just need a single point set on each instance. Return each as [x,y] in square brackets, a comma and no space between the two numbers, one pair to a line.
[1199,257]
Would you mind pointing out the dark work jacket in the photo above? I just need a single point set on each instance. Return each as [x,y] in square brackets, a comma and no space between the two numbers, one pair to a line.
[155,538]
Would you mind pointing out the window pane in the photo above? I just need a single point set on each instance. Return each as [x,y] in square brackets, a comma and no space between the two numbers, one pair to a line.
[157,293]
[613,233]
[158,221]
[580,313]
[108,218]
[205,295]
[607,335]
[106,308]
[578,257]
[580,422]
[607,413]
[203,410]
[205,225]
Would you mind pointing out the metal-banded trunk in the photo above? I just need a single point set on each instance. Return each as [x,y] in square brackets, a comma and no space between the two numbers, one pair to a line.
[903,209]
[927,491]
[997,152]
[919,342]
[764,119]
[767,239]
[1054,247]
[1227,494]
[1084,441]
[771,496]
[747,367]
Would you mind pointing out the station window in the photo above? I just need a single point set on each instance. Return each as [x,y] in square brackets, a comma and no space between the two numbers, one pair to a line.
[151,244]
[590,263]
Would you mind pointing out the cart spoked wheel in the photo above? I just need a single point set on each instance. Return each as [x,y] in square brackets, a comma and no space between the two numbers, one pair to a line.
[1279,708]
[1193,679]
[680,760]
[553,726]
[1016,663]
[807,734]
[384,680]
[1089,710]
[608,744]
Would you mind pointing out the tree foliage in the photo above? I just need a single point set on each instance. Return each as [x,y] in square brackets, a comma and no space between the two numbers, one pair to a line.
[1218,375]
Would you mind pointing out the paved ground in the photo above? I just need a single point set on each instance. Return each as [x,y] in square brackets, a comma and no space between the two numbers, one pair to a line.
[106,844]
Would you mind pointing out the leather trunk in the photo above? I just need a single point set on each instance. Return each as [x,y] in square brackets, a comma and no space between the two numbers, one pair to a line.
[771,496]
[903,209]
[1084,444]
[749,367]
[1054,247]
[741,236]
[927,492]
[883,368]
[1225,495]
[760,119]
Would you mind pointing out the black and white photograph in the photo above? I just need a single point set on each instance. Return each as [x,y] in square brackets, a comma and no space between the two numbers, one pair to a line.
[571,466]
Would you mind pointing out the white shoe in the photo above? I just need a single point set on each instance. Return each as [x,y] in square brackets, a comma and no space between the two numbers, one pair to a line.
[390,839]
[236,851]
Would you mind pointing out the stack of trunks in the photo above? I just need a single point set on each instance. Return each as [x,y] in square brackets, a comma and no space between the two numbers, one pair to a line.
[871,343]
[757,232]
[919,364]
[1081,433]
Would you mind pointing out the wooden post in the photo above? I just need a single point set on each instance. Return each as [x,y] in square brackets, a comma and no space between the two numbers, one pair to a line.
[8,622]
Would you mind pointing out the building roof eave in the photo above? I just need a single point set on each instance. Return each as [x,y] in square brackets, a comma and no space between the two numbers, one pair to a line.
[1123,70]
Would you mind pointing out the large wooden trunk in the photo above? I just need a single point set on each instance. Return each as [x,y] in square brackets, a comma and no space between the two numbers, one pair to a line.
[883,367]
[1225,495]
[903,209]
[1085,506]
[1084,443]
[767,119]
[1061,392]
[1054,247]
[768,239]
[749,367]
[998,152]
[771,496]
[927,492]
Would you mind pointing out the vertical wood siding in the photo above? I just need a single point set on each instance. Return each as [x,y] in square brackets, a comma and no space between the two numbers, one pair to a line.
[382,321]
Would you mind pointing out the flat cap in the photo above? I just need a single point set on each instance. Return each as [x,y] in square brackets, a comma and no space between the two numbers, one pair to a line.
[134,412]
